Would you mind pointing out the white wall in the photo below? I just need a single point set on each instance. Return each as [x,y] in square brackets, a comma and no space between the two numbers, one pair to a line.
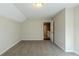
[76,29]
[9,33]
[32,29]
[69,29]
[59,34]
[64,29]
[51,30]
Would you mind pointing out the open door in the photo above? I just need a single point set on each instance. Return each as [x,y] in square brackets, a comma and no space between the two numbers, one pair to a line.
[46,28]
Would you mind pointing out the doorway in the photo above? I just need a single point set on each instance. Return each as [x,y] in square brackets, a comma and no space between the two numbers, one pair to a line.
[46,30]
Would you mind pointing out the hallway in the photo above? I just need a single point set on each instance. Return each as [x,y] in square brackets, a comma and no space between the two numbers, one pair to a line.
[36,48]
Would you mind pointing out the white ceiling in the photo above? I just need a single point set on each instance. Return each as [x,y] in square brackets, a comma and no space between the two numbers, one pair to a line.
[10,11]
[22,11]
[48,9]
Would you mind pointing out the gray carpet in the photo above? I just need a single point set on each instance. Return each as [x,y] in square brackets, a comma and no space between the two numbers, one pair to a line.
[36,48]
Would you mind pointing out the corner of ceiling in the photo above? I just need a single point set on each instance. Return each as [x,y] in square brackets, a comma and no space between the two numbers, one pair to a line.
[20,12]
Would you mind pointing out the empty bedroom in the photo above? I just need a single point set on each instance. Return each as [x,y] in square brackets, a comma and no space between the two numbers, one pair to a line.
[39,29]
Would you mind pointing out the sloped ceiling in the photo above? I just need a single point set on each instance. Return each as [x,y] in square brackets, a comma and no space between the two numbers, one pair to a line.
[10,11]
[22,11]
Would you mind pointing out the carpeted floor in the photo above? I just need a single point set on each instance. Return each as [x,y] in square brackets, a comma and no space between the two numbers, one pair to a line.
[36,48]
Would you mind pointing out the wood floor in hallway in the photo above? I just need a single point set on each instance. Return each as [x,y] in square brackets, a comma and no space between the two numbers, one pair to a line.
[36,48]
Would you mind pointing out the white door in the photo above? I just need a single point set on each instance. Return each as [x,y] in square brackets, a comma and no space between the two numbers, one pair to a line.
[51,31]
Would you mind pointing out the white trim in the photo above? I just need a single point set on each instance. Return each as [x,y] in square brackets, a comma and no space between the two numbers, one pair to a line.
[32,39]
[69,50]
[72,51]
[76,52]
[10,47]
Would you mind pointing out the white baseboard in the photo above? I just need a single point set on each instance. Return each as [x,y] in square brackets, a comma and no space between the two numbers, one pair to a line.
[72,51]
[69,50]
[76,52]
[10,47]
[32,39]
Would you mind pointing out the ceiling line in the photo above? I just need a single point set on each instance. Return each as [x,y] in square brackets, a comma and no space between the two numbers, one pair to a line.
[20,11]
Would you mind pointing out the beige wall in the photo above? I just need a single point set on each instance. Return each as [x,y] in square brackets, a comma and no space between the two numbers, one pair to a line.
[32,29]
[59,37]
[9,33]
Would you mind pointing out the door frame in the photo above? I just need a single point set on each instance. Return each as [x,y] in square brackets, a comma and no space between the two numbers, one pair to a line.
[43,29]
